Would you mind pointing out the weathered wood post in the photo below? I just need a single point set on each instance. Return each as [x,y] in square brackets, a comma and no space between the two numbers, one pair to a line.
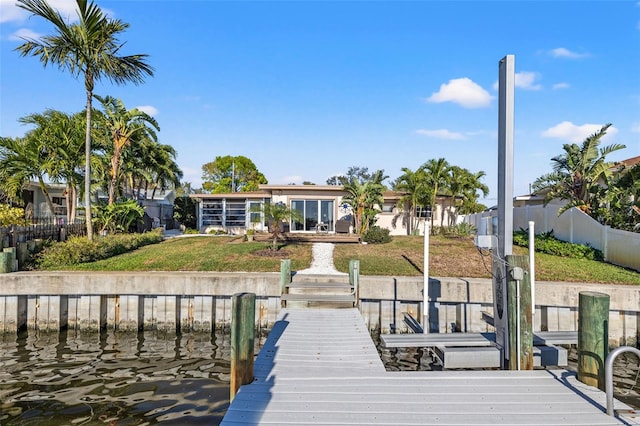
[9,258]
[5,265]
[285,278]
[354,278]
[593,337]
[243,318]
[22,253]
[519,313]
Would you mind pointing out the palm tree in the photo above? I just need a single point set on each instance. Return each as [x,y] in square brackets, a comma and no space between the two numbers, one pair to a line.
[21,160]
[437,174]
[123,126]
[578,173]
[365,200]
[89,48]
[275,214]
[416,193]
[463,188]
[165,171]
[61,137]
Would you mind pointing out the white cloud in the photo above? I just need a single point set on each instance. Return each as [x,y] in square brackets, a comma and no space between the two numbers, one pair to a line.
[462,91]
[151,110]
[9,12]
[635,128]
[562,52]
[574,133]
[562,85]
[441,134]
[526,80]
[24,33]
[294,179]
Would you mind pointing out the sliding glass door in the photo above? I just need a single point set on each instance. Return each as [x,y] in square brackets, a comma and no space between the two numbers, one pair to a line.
[313,213]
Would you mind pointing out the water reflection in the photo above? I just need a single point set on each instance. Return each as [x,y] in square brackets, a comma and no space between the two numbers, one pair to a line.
[114,378]
[117,378]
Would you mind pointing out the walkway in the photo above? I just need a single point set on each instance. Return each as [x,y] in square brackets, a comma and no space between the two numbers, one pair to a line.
[320,366]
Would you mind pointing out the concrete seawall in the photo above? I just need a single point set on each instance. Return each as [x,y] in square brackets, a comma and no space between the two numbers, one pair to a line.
[200,301]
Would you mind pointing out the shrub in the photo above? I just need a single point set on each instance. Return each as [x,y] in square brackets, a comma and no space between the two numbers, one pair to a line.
[184,211]
[549,244]
[11,215]
[80,250]
[461,230]
[375,235]
[117,217]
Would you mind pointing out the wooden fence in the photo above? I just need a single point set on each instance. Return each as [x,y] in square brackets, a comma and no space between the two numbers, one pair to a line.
[10,236]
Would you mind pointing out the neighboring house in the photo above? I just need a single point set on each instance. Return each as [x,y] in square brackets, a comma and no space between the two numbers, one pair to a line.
[159,208]
[35,202]
[319,205]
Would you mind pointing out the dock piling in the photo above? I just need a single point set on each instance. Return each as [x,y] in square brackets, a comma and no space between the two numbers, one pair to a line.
[519,313]
[243,318]
[593,337]
[285,277]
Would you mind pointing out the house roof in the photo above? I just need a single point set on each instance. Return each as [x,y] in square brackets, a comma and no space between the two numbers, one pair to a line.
[631,161]
[246,194]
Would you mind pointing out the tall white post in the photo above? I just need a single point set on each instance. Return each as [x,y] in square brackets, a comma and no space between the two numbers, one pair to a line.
[425,268]
[532,270]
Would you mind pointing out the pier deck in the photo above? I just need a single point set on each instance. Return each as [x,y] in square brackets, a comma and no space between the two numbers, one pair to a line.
[320,366]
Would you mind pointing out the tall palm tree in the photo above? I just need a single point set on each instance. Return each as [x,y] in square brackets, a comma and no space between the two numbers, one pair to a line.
[578,173]
[89,48]
[437,173]
[123,126]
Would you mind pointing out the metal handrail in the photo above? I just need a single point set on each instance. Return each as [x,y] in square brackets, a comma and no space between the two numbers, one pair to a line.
[608,374]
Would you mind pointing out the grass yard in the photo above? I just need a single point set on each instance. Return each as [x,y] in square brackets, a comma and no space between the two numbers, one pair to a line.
[404,256]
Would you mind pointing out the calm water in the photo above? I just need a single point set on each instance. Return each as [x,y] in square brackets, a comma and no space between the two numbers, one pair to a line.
[146,378]
[114,378]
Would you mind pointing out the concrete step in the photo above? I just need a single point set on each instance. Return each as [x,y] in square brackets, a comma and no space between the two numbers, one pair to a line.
[550,355]
[318,300]
[319,288]
[468,357]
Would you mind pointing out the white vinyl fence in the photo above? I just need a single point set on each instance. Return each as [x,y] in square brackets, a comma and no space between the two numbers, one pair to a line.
[619,247]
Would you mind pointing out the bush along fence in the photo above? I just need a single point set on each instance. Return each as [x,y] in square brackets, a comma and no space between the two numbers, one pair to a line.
[18,243]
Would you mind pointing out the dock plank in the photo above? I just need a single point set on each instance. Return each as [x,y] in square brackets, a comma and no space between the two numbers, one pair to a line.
[303,377]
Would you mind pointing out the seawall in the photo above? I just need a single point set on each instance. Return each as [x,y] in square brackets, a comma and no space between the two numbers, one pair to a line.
[169,301]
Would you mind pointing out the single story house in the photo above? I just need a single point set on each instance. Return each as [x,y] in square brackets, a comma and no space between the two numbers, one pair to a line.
[321,207]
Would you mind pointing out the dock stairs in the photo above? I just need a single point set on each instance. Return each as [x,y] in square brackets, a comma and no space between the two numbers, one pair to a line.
[312,291]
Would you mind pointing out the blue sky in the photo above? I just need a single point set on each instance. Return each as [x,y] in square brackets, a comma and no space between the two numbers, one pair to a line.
[307,89]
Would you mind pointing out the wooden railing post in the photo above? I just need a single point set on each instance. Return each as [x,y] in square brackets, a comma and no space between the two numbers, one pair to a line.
[285,278]
[243,318]
[593,337]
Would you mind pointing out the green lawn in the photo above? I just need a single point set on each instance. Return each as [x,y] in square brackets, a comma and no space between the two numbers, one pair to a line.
[448,257]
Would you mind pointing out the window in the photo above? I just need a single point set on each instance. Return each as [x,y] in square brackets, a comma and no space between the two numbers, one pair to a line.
[236,213]
[254,213]
[212,213]
[423,211]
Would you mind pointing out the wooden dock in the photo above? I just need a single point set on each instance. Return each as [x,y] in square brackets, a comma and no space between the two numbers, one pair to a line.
[320,366]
